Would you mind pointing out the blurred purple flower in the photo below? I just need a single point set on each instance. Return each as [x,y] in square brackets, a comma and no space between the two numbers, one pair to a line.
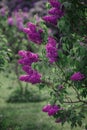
[38,19]
[10,21]
[3,11]
[51,19]
[25,15]
[51,50]
[19,18]
[33,77]
[20,25]
[51,109]
[27,69]
[54,3]
[56,12]
[22,53]
[46,108]
[77,76]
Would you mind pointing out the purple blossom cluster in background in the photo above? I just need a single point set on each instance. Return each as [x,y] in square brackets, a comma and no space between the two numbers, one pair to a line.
[3,11]
[34,33]
[10,21]
[27,59]
[17,19]
[52,110]
[77,76]
[52,50]
[20,11]
[55,13]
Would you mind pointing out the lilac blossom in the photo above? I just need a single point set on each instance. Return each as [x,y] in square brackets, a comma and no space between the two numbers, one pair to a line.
[3,11]
[27,69]
[19,21]
[55,3]
[32,77]
[32,26]
[10,21]
[77,76]
[51,109]
[51,19]
[55,13]
[46,108]
[22,53]
[34,33]
[51,50]
[27,57]
[20,25]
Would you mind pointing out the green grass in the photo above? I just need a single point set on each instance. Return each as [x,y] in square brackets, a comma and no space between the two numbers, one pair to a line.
[24,116]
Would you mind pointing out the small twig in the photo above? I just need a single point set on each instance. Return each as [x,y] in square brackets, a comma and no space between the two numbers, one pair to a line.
[48,83]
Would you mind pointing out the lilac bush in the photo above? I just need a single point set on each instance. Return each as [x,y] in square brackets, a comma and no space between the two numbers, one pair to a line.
[61,60]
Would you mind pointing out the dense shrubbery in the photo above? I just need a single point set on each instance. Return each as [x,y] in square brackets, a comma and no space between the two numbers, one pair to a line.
[4,52]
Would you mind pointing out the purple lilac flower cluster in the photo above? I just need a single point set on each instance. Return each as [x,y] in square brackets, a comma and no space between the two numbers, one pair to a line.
[27,59]
[52,110]
[10,21]
[34,33]
[77,76]
[51,49]
[32,75]
[3,11]
[55,13]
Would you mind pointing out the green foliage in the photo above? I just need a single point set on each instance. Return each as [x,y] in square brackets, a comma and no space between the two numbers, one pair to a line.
[4,51]
[72,57]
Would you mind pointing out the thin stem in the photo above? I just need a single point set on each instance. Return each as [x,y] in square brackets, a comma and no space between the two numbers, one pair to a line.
[78,95]
[48,83]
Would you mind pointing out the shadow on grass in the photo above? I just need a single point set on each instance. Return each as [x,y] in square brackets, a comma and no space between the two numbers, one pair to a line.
[18,96]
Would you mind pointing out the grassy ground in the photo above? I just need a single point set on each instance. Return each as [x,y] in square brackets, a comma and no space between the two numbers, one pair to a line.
[24,116]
